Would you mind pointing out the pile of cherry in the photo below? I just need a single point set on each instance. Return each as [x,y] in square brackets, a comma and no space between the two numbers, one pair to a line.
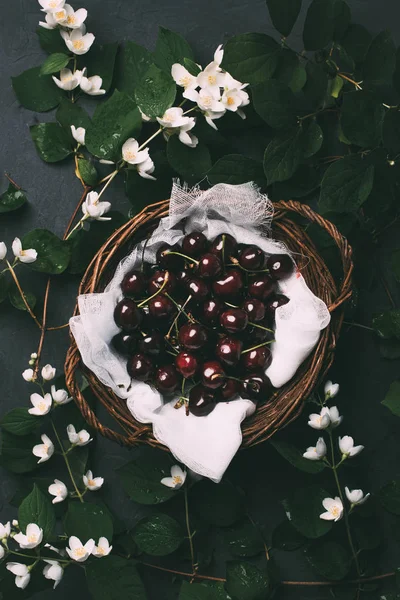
[201,320]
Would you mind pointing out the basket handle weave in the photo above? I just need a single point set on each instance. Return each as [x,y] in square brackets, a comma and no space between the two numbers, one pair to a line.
[344,248]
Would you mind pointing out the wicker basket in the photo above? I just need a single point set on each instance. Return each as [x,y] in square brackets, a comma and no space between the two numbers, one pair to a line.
[288,401]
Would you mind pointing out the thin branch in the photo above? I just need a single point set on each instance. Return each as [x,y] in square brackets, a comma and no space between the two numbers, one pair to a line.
[21,292]
[18,187]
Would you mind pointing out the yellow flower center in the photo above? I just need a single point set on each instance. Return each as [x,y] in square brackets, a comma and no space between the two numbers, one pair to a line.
[32,539]
[71,20]
[59,491]
[78,45]
[335,511]
[130,155]
[53,4]
[212,79]
[230,100]
[177,480]
[185,81]
[80,552]
[45,448]
[100,550]
[60,14]
[42,406]
[91,482]
[207,100]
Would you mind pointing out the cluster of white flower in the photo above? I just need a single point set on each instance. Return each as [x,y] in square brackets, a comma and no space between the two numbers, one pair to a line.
[71,24]
[24,256]
[133,154]
[94,209]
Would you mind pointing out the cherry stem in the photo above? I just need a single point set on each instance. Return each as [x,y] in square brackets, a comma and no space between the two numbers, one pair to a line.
[166,278]
[255,347]
[236,263]
[180,308]
[260,327]
[193,260]
[181,311]
[231,305]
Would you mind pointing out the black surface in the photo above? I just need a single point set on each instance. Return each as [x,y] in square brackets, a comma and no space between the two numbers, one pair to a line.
[53,192]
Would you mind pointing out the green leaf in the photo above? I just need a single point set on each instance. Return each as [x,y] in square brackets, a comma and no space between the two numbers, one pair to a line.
[191,66]
[88,171]
[380,61]
[305,180]
[296,458]
[53,253]
[245,581]
[36,92]
[244,539]
[210,590]
[54,63]
[362,118]
[316,85]
[134,62]
[16,452]
[100,61]
[275,103]
[304,506]
[190,163]
[312,138]
[346,185]
[15,298]
[141,478]
[387,324]
[391,131]
[12,199]
[251,57]
[52,142]
[113,578]
[158,535]
[155,92]
[51,40]
[286,537]
[290,70]
[142,192]
[319,24]
[283,155]
[235,169]
[87,520]
[392,398]
[18,421]
[389,349]
[114,121]
[330,559]
[395,263]
[356,42]
[171,48]
[342,17]
[218,504]
[37,508]
[284,14]
[389,495]
[70,113]
[4,285]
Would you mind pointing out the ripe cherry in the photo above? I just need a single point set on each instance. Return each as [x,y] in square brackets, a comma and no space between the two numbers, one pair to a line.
[212,374]
[224,246]
[273,303]
[211,310]
[209,266]
[258,358]
[234,320]
[228,350]
[166,379]
[186,364]
[170,261]
[280,266]
[197,288]
[229,284]
[140,367]
[194,244]
[256,386]
[252,258]
[161,307]
[133,284]
[125,343]
[152,343]
[157,280]
[228,390]
[261,287]
[201,401]
[192,336]
[127,315]
[255,309]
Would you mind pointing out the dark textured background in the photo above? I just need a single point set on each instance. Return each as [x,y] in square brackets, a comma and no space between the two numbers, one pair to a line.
[53,192]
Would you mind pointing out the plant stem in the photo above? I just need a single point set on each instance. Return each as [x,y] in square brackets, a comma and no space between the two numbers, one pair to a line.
[180,311]
[258,346]
[150,138]
[190,534]
[261,327]
[21,292]
[64,454]
[358,325]
[38,557]
[160,289]
[180,308]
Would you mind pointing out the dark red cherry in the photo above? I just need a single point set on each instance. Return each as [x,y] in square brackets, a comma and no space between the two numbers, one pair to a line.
[280,266]
[228,390]
[255,335]
[192,336]
[224,246]
[234,320]
[140,367]
[252,258]
[182,276]
[152,343]
[211,311]
[255,309]
[186,364]
[209,266]
[127,315]
[256,386]
[197,288]
[261,287]
[273,303]
[157,280]
[166,379]
[229,284]
[161,307]
[133,284]
[170,261]
[228,350]
[201,401]
[194,244]
[258,358]
[125,343]
[212,374]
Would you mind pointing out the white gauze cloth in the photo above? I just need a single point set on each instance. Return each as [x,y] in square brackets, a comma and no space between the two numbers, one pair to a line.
[204,444]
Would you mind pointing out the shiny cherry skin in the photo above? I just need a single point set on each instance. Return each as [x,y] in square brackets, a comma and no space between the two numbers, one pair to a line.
[134,284]
[211,311]
[209,266]
[255,335]
[161,307]
[228,390]
[192,336]
[127,315]
[168,261]
[201,401]
[280,266]
[229,285]
[224,246]
[125,343]
[255,309]
[186,364]
[157,280]
[275,302]
[152,343]
[212,374]
[252,258]
[258,358]
[256,386]
[194,244]
[197,288]
[234,320]
[182,276]
[261,287]
[140,367]
[166,379]
[228,350]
